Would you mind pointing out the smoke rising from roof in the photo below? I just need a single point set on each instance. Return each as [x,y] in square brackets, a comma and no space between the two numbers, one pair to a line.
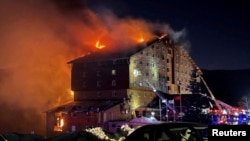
[37,39]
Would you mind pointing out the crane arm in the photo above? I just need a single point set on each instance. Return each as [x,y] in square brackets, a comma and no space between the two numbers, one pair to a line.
[211,94]
[209,90]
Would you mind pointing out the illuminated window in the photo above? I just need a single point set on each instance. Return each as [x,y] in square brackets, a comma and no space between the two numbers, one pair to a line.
[73,128]
[59,124]
[113,72]
[140,83]
[136,72]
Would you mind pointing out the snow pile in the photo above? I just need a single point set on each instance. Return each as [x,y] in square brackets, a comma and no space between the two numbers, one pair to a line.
[120,135]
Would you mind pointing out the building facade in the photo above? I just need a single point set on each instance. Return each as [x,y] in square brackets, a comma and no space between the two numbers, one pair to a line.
[112,86]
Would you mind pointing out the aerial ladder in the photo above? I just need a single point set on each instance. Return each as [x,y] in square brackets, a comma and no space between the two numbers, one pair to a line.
[218,103]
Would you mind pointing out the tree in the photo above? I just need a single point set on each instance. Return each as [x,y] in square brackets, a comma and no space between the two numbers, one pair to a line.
[244,102]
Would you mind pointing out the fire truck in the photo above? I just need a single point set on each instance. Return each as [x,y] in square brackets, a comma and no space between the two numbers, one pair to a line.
[223,113]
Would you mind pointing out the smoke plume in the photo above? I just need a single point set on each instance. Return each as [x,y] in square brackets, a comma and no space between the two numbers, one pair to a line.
[38,38]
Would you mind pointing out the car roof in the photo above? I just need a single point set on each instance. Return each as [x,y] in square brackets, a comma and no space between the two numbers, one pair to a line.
[176,124]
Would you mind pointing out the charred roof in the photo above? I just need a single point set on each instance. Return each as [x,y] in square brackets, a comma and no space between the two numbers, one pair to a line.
[104,54]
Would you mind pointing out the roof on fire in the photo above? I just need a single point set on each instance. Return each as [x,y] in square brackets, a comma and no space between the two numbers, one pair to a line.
[109,55]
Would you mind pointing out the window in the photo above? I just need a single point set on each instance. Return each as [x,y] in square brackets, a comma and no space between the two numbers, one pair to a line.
[99,94]
[113,82]
[169,51]
[84,84]
[59,124]
[140,83]
[98,83]
[113,93]
[98,73]
[99,63]
[83,74]
[168,79]
[113,72]
[137,72]
[169,88]
[162,57]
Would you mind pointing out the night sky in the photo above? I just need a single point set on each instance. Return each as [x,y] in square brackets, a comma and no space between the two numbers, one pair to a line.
[216,32]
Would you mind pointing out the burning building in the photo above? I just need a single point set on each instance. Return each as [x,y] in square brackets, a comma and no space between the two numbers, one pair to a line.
[120,85]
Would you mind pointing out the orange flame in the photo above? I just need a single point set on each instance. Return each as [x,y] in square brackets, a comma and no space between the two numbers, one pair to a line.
[98,45]
[141,40]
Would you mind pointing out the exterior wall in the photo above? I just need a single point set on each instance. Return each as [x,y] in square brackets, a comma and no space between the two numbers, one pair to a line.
[162,65]
[50,123]
[139,98]
[86,75]
[165,65]
[150,65]
[100,95]
[183,68]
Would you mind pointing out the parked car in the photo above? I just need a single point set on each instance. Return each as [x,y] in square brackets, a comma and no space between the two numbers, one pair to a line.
[171,131]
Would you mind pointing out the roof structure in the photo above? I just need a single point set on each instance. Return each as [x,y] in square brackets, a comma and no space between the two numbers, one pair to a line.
[78,106]
[102,55]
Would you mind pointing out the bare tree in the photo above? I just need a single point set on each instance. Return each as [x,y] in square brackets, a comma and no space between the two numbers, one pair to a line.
[244,102]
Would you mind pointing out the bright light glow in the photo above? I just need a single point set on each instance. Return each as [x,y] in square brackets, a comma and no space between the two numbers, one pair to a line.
[224,112]
[141,40]
[136,72]
[98,45]
[72,93]
[61,122]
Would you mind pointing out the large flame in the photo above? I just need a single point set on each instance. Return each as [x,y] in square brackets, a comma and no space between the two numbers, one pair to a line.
[37,40]
[98,45]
